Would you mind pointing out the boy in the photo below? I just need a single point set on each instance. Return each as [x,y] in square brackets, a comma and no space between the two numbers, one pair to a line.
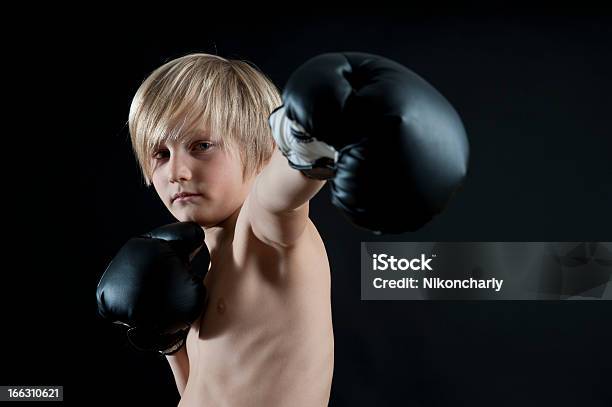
[394,150]
[199,125]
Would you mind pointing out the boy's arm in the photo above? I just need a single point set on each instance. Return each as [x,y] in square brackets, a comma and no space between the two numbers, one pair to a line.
[179,363]
[278,205]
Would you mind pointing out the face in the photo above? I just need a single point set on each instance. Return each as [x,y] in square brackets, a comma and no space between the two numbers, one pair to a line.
[208,176]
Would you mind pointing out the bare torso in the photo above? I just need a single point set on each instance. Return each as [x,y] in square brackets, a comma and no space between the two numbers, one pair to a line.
[266,336]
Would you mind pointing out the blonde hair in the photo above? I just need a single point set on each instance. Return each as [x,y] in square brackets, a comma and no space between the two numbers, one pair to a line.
[231,98]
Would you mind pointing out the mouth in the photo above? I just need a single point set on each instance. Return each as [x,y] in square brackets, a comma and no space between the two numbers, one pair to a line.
[185,197]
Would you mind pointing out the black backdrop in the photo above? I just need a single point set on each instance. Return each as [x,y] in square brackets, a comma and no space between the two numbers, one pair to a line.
[534,95]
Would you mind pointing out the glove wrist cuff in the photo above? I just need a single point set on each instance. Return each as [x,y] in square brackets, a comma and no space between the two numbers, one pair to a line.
[165,344]
[316,159]
[174,347]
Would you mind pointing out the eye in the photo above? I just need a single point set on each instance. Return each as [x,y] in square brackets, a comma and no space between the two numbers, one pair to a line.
[202,146]
[161,154]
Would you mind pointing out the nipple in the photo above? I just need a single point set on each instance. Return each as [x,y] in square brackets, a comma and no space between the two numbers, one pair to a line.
[220,306]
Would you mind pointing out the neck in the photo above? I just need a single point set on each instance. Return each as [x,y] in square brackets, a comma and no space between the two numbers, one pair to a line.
[222,233]
[219,235]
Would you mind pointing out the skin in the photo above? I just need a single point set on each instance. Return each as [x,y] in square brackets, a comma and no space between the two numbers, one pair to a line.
[266,337]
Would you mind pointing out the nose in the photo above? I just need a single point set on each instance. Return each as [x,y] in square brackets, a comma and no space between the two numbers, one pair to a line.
[179,170]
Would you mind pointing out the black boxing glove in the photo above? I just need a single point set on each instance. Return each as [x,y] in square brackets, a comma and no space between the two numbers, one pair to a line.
[153,286]
[394,149]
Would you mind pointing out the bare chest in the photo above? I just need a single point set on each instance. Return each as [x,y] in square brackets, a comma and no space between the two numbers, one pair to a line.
[268,314]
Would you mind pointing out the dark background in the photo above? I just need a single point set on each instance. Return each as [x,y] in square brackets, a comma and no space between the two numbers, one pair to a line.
[534,94]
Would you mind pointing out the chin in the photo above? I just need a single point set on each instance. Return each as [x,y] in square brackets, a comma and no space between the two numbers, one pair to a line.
[200,219]
[207,217]
[187,216]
